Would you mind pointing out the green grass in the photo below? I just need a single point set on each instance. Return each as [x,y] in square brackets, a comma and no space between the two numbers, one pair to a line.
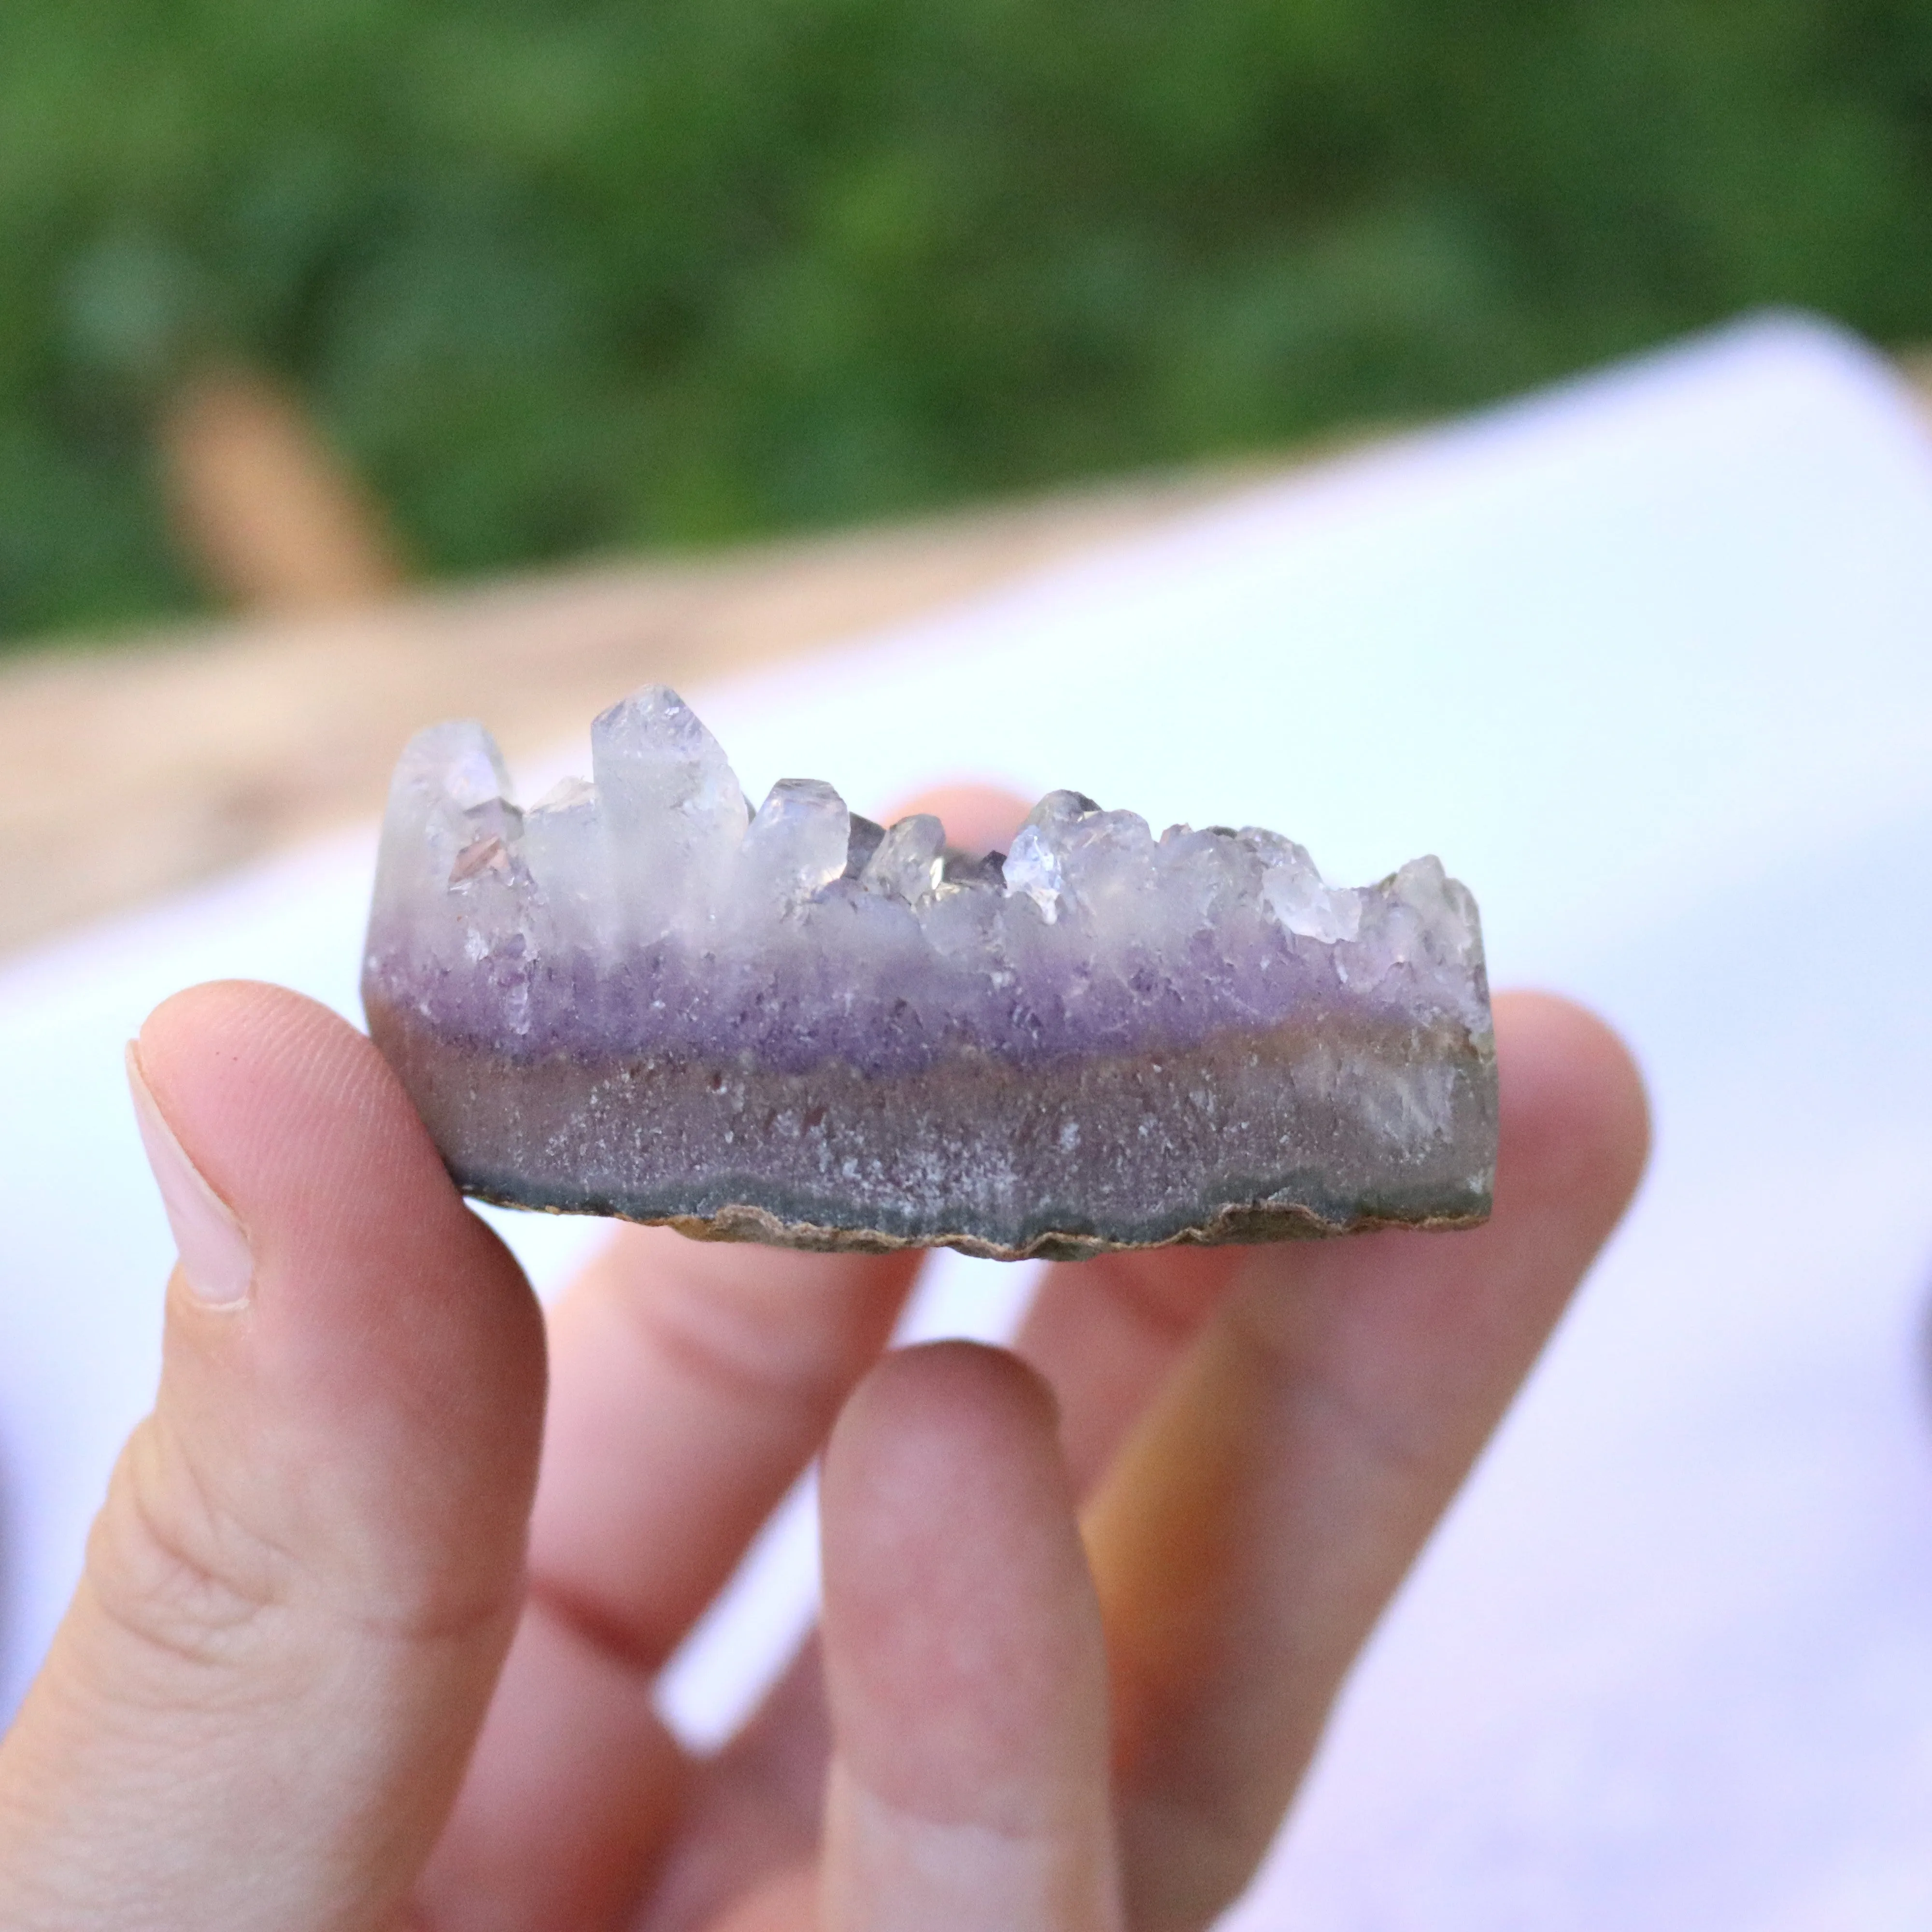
[566,276]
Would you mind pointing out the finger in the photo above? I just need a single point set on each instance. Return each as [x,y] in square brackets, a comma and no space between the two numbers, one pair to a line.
[572,1793]
[755,1808]
[1264,1510]
[977,818]
[308,1566]
[963,1658]
[1107,1333]
[788,1902]
[692,1381]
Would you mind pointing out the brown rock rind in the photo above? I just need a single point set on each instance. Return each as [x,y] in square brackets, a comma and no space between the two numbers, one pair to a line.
[1328,1127]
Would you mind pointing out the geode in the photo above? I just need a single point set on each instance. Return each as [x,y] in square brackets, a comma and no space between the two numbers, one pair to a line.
[639,998]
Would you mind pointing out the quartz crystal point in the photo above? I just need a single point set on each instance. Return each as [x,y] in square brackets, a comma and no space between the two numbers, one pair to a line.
[640,998]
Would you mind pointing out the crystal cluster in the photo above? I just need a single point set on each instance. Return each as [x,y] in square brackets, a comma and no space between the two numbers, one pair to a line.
[640,997]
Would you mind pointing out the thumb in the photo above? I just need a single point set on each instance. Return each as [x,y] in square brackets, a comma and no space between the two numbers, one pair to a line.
[301,1587]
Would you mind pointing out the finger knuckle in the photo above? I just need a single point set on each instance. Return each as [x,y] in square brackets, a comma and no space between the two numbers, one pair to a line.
[172,1568]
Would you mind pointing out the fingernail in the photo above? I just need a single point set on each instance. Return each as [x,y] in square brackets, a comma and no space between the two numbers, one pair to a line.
[215,1258]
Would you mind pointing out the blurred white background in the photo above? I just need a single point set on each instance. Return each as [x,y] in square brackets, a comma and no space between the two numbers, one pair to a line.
[1649,662]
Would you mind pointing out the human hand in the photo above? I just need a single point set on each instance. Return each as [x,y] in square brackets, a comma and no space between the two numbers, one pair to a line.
[1086,1605]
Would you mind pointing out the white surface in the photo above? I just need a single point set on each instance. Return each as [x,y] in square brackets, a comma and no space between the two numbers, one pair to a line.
[1649,662]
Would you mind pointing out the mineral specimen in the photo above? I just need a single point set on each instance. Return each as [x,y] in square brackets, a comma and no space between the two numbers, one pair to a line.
[640,998]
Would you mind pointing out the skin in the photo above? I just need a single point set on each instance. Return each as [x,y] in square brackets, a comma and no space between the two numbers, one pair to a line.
[369,1627]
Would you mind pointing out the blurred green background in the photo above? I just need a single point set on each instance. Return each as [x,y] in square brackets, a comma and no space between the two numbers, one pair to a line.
[560,276]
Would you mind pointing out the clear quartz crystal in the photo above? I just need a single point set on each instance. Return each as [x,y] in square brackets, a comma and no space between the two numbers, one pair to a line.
[909,860]
[445,774]
[653,760]
[670,813]
[567,795]
[1036,866]
[565,848]
[796,843]
[1295,893]
[1444,908]
[458,763]
[1034,872]
[662,843]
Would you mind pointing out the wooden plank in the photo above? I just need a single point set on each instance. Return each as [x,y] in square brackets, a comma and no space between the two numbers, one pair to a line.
[137,768]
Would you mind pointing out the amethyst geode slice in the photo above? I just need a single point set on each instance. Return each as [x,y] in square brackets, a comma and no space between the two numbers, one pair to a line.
[639,998]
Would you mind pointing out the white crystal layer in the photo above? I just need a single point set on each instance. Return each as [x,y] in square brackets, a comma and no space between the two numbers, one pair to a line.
[652,908]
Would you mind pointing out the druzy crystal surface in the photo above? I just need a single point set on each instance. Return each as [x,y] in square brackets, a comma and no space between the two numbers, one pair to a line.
[640,997]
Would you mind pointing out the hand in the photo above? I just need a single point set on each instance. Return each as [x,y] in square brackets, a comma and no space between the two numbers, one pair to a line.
[1086,1604]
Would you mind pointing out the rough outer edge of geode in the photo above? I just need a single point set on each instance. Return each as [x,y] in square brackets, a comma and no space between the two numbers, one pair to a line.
[1246,1223]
